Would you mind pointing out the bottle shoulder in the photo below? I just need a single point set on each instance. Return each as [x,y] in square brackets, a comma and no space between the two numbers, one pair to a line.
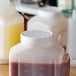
[33,54]
[23,50]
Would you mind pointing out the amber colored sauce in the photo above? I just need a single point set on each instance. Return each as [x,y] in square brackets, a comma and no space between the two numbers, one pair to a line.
[34,69]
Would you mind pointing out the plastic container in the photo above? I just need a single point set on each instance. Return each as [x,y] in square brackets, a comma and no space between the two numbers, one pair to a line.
[51,19]
[11,25]
[37,55]
[71,43]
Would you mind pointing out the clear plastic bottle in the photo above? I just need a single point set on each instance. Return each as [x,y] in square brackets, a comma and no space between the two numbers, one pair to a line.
[37,55]
[51,19]
[11,25]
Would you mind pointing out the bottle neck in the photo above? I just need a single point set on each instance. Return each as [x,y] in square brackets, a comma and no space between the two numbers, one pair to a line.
[33,39]
[38,43]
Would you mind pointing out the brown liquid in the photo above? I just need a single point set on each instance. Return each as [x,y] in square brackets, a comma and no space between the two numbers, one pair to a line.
[25,20]
[31,69]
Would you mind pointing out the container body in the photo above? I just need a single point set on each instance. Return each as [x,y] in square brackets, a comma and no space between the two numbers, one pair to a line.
[36,69]
[31,63]
[11,26]
[37,56]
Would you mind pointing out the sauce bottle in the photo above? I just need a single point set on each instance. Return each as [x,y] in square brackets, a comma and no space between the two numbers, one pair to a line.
[11,25]
[37,55]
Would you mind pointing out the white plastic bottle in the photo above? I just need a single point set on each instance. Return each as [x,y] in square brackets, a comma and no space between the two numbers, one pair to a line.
[37,55]
[51,19]
[71,44]
[11,25]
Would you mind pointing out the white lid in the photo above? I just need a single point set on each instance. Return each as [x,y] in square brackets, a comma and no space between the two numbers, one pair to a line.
[49,11]
[36,37]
